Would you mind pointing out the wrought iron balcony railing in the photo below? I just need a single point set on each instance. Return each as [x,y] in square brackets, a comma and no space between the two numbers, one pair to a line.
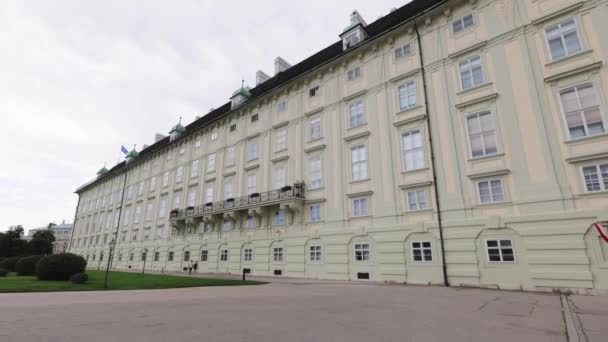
[289,192]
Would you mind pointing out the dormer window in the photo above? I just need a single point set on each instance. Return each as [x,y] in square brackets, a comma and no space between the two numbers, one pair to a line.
[239,96]
[355,32]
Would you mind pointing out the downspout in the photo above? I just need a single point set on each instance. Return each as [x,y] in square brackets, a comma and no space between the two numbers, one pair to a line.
[122,204]
[432,152]
[74,224]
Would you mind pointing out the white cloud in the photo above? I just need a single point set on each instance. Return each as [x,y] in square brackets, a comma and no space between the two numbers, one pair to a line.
[80,78]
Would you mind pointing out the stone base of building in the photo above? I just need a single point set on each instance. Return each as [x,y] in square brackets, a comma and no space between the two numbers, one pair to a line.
[559,252]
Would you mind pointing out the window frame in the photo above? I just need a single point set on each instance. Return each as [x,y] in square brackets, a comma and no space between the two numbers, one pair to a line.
[356,73]
[416,191]
[599,105]
[359,162]
[368,249]
[489,181]
[311,159]
[316,250]
[403,55]
[351,104]
[603,184]
[282,134]
[278,255]
[405,84]
[483,72]
[310,212]
[410,133]
[461,20]
[422,249]
[500,248]
[367,206]
[579,37]
[468,133]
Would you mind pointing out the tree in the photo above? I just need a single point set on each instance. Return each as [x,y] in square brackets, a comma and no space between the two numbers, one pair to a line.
[11,242]
[41,242]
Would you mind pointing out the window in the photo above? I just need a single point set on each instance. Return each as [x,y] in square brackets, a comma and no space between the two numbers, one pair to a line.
[279,217]
[129,196]
[315,172]
[197,144]
[407,95]
[224,255]
[352,39]
[233,128]
[490,191]
[500,250]
[280,139]
[214,136]
[251,223]
[204,255]
[315,254]
[147,233]
[471,73]
[362,252]
[353,73]
[179,174]
[314,212]
[227,225]
[248,254]
[192,197]
[482,134]
[162,207]
[596,177]
[417,200]
[360,207]
[356,117]
[255,117]
[149,209]
[403,51]
[278,254]
[582,111]
[119,256]
[165,182]
[211,162]
[563,39]
[134,234]
[358,162]
[422,251]
[116,218]
[314,91]
[207,227]
[140,189]
[209,193]
[194,168]
[187,256]
[177,199]
[280,174]
[159,232]
[170,256]
[281,106]
[252,150]
[413,150]
[463,23]
[182,149]
[228,189]
[156,256]
[230,155]
[152,185]
[314,128]
[137,218]
[252,181]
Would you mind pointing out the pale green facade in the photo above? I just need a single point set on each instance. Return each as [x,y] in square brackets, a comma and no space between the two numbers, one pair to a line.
[546,210]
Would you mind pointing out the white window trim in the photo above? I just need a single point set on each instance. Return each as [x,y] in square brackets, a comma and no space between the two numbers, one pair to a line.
[489,180]
[348,109]
[426,195]
[563,111]
[423,147]
[484,79]
[369,250]
[500,251]
[321,259]
[367,203]
[422,252]
[578,36]
[403,56]
[404,83]
[461,19]
[604,187]
[496,132]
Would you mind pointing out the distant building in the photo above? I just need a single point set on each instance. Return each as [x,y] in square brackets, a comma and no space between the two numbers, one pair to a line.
[61,232]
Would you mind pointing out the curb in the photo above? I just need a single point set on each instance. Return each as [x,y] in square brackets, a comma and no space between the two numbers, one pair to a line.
[571,328]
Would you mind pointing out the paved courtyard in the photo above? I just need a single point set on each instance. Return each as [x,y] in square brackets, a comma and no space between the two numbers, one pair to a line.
[285,311]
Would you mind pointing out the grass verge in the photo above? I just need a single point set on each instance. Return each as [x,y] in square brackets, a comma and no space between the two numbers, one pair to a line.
[116,281]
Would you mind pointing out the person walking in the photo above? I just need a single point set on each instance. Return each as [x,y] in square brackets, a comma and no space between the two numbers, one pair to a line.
[195,266]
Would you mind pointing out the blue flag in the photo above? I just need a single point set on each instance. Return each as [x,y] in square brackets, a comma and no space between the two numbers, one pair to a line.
[123,149]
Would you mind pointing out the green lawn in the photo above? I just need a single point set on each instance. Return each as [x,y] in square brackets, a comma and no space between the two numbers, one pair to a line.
[116,281]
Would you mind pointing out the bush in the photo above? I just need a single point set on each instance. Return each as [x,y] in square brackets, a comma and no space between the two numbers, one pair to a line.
[3,272]
[9,263]
[79,278]
[59,266]
[26,265]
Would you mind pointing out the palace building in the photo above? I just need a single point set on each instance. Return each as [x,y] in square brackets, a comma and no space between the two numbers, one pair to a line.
[460,142]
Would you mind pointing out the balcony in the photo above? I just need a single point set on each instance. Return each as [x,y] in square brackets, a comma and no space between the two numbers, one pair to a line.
[288,193]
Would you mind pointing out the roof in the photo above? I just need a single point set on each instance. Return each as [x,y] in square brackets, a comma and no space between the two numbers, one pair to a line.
[390,21]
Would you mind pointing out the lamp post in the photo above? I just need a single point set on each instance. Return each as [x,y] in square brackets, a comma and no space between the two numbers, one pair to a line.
[112,245]
[144,256]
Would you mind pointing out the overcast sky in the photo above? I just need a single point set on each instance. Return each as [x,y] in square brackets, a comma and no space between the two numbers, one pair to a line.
[80,78]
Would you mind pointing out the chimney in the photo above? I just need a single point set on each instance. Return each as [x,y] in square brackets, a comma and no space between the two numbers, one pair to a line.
[280,65]
[158,137]
[261,77]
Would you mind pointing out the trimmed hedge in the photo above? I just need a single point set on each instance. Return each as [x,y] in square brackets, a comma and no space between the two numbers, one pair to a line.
[26,265]
[60,266]
[9,263]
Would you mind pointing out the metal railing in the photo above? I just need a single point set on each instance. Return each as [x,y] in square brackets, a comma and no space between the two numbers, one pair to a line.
[255,199]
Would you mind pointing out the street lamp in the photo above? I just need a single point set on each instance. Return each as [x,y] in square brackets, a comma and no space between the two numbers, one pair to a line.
[144,256]
[112,245]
